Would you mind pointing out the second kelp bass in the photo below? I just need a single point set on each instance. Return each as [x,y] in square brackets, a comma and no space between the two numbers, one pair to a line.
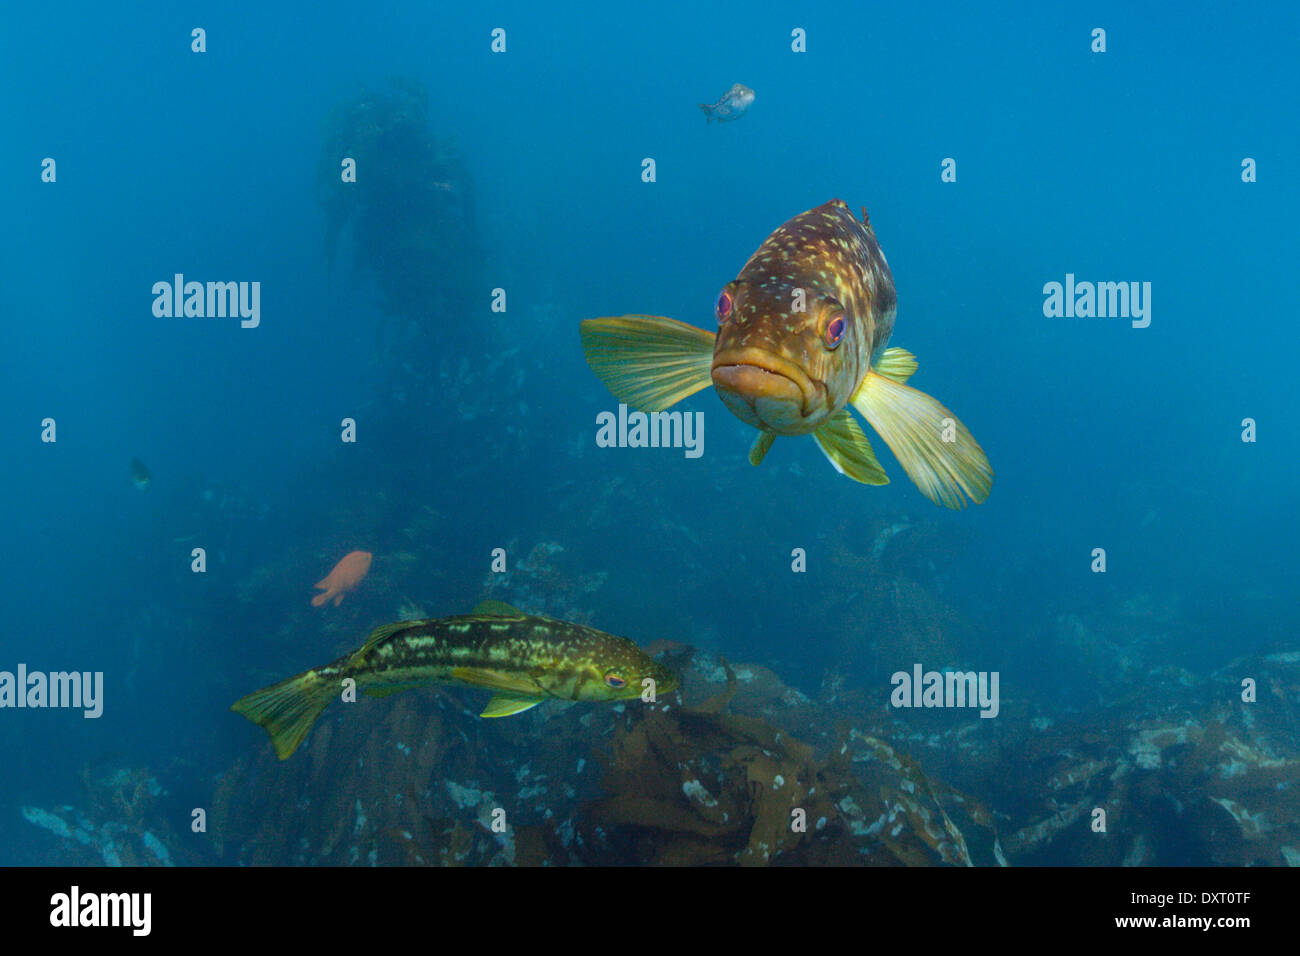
[802,334]
[521,658]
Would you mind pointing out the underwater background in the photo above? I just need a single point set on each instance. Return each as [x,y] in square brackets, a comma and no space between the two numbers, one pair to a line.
[476,429]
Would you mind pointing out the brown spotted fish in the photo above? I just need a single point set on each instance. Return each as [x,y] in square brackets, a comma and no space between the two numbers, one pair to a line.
[802,335]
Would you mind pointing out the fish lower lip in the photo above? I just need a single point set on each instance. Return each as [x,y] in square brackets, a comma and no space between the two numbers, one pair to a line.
[753,382]
[753,374]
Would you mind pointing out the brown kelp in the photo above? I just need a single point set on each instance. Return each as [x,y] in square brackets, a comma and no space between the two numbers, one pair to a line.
[410,209]
[738,769]
[701,785]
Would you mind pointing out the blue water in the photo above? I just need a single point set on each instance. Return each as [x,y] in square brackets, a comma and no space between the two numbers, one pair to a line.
[1122,166]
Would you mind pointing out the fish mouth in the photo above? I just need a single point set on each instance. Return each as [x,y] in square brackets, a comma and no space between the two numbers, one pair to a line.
[766,390]
[666,682]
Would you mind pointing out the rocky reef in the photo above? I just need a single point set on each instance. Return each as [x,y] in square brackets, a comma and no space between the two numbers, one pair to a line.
[736,768]
[127,819]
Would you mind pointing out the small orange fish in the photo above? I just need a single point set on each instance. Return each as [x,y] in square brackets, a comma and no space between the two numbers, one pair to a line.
[346,575]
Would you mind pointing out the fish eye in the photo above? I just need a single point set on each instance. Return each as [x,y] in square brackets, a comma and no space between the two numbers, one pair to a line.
[835,329]
[614,681]
[725,303]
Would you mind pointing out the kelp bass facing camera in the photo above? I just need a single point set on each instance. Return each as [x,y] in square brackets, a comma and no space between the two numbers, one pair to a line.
[802,334]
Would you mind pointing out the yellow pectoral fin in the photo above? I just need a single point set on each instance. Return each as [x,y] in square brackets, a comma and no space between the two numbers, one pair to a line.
[496,680]
[936,450]
[898,364]
[648,361]
[758,450]
[842,440]
[504,706]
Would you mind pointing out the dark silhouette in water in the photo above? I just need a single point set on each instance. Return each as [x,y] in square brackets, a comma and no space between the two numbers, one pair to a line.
[410,208]
[140,476]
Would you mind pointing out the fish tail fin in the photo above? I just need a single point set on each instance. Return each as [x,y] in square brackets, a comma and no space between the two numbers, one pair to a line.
[936,450]
[708,112]
[648,361]
[287,710]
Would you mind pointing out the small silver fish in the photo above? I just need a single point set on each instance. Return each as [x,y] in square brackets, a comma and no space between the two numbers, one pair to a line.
[732,106]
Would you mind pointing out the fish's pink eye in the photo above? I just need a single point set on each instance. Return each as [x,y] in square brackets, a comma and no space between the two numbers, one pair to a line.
[835,330]
[725,304]
[614,681]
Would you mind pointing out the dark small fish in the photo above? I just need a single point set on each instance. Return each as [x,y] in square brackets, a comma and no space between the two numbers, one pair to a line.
[140,476]
[732,106]
[522,659]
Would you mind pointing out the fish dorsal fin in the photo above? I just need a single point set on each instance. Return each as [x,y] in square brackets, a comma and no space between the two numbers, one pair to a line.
[381,634]
[842,440]
[505,706]
[648,361]
[898,364]
[491,608]
[758,450]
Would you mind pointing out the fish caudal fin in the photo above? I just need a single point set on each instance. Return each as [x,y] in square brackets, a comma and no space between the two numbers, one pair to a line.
[936,450]
[758,450]
[287,710]
[843,441]
[708,112]
[648,361]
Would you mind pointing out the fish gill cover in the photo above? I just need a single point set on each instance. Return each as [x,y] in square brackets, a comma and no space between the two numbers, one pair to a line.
[1096,665]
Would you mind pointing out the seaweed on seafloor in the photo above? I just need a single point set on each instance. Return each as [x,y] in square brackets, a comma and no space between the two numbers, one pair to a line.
[418,839]
[698,785]
[429,840]
[1175,788]
[927,806]
[326,805]
[123,820]
[1241,801]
